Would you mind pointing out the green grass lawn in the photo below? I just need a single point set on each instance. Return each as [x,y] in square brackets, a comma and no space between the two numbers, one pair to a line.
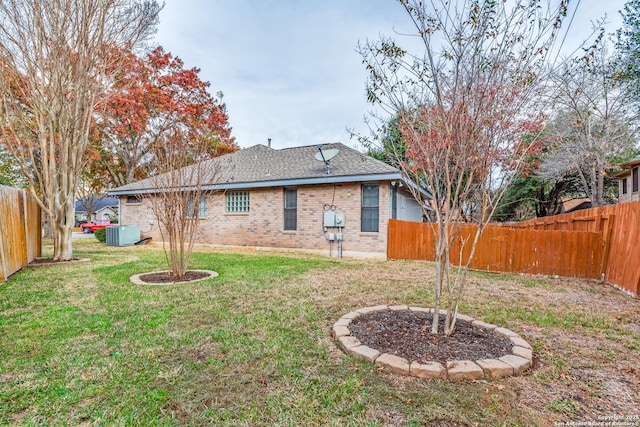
[80,344]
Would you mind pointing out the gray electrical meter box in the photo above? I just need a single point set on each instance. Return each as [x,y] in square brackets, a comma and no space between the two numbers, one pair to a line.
[333,219]
[329,218]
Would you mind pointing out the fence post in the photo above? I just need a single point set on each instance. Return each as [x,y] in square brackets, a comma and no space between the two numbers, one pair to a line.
[606,241]
[25,227]
[3,263]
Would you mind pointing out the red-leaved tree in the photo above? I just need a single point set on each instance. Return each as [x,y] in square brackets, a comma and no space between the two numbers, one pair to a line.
[465,112]
[154,96]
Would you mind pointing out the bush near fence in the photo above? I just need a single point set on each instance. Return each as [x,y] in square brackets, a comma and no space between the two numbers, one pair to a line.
[598,243]
[20,230]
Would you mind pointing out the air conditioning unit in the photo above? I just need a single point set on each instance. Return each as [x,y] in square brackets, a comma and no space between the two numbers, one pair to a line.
[122,235]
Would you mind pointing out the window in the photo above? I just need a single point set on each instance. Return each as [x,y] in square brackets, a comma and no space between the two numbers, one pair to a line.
[394,202]
[624,185]
[370,204]
[134,198]
[237,201]
[634,180]
[202,208]
[290,208]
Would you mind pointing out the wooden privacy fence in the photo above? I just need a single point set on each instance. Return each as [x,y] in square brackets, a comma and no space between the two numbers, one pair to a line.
[619,226]
[599,243]
[20,230]
[571,254]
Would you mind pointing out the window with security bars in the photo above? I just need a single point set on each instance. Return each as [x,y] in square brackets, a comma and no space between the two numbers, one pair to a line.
[237,201]
[290,208]
[370,212]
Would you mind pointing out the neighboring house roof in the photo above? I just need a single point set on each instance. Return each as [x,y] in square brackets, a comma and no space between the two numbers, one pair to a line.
[627,166]
[261,166]
[570,205]
[104,202]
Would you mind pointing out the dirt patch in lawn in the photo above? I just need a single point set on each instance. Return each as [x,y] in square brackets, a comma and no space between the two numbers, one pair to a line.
[407,334]
[43,262]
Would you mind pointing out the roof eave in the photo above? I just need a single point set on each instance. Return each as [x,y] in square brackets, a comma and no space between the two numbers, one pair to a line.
[277,183]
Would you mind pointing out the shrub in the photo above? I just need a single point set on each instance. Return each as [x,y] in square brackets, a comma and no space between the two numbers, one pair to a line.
[101,234]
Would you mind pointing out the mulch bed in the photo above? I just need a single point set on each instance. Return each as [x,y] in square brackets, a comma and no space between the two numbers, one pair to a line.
[167,277]
[407,334]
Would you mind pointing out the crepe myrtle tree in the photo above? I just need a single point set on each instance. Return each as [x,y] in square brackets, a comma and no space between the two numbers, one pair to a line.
[180,200]
[463,103]
[54,74]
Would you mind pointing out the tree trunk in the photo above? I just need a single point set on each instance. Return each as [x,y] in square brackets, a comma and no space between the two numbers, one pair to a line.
[61,224]
[440,260]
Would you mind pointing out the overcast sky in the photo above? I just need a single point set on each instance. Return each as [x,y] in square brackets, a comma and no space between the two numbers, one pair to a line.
[288,68]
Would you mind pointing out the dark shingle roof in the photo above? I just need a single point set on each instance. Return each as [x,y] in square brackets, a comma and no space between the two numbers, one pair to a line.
[260,165]
[102,203]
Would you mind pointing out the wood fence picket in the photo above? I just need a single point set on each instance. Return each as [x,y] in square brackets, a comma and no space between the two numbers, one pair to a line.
[20,230]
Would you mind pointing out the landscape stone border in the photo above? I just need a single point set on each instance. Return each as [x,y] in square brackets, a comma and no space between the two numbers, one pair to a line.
[136,278]
[512,364]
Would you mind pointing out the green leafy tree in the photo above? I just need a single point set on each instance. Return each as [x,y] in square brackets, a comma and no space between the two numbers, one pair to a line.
[10,173]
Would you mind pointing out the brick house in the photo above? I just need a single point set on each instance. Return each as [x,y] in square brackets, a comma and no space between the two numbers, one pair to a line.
[268,198]
[628,181]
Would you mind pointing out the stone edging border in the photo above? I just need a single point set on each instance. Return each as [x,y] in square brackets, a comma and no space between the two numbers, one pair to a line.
[516,363]
[136,278]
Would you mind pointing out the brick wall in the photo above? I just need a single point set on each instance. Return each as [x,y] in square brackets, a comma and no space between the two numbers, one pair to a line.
[263,225]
